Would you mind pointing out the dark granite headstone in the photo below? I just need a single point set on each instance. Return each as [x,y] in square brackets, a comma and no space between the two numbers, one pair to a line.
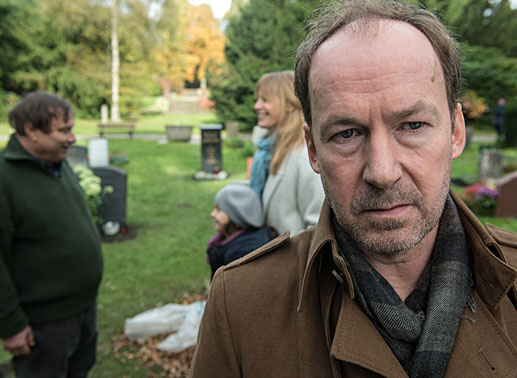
[114,207]
[211,157]
[77,155]
[507,201]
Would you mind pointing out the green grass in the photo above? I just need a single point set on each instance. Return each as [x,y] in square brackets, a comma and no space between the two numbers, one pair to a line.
[171,214]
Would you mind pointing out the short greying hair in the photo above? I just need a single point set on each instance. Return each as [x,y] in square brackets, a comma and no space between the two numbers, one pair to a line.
[38,109]
[336,15]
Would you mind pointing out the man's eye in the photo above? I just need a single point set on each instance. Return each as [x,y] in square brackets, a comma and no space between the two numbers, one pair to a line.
[415,125]
[346,134]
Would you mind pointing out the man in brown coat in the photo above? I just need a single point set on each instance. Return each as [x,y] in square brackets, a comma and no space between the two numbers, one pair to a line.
[398,278]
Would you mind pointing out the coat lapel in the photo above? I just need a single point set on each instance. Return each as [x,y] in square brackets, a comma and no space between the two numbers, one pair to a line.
[357,341]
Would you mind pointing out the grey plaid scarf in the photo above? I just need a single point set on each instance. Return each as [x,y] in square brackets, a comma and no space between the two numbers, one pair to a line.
[421,330]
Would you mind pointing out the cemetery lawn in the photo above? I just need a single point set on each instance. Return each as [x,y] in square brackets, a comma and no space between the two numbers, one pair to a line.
[170,214]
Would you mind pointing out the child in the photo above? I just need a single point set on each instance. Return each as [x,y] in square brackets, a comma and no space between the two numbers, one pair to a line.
[239,222]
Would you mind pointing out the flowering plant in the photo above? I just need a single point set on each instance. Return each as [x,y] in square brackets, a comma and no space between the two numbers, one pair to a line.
[93,192]
[481,197]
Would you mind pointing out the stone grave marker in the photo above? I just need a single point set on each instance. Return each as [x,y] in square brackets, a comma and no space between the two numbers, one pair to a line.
[113,210]
[211,157]
[98,154]
[507,201]
[77,155]
[490,164]
[232,129]
[104,113]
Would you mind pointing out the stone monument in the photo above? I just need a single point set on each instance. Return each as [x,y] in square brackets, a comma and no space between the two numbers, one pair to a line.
[104,113]
[507,201]
[98,154]
[490,164]
[211,154]
[113,209]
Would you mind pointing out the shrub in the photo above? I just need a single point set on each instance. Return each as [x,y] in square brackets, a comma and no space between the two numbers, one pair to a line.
[7,101]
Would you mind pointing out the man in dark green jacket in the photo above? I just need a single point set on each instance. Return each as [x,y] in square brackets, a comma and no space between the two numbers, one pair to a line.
[50,253]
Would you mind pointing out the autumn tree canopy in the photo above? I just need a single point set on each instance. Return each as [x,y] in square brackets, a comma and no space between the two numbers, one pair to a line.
[205,43]
[65,47]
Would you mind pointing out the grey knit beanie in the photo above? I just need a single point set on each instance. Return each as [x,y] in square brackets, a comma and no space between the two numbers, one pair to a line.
[241,204]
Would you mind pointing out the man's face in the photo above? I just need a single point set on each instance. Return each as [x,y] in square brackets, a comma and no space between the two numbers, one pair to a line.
[53,146]
[382,138]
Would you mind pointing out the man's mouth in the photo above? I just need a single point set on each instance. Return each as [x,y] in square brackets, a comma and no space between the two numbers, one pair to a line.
[392,210]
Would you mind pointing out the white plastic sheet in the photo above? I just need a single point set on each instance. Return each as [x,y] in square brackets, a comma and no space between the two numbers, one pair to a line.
[187,333]
[184,319]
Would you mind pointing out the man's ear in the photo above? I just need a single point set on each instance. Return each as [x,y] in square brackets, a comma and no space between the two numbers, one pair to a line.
[458,133]
[313,156]
[31,132]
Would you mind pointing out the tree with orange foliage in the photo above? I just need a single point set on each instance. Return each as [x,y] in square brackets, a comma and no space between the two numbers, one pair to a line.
[205,43]
[170,50]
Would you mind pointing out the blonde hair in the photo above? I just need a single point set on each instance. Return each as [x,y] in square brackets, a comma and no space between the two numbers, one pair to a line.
[278,88]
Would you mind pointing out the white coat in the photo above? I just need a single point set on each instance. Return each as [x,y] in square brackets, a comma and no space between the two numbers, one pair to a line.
[292,197]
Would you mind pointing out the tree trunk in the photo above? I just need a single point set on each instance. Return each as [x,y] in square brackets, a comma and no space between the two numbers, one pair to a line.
[115,113]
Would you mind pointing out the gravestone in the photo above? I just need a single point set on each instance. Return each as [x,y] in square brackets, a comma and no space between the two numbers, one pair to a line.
[98,155]
[104,113]
[211,157]
[490,164]
[113,209]
[507,201]
[77,155]
[232,129]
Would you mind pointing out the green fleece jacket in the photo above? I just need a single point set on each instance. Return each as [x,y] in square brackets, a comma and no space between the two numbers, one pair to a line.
[50,252]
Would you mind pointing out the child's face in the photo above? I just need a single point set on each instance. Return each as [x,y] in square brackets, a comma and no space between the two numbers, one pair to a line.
[220,218]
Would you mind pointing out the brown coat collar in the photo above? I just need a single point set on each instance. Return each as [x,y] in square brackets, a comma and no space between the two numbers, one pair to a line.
[493,280]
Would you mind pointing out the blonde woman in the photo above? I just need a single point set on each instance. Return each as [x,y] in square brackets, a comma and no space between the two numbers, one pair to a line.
[292,194]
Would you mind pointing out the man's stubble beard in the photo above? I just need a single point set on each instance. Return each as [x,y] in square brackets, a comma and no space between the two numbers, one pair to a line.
[373,198]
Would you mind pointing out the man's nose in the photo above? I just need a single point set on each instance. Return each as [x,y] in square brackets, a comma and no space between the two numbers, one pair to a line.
[71,138]
[383,166]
